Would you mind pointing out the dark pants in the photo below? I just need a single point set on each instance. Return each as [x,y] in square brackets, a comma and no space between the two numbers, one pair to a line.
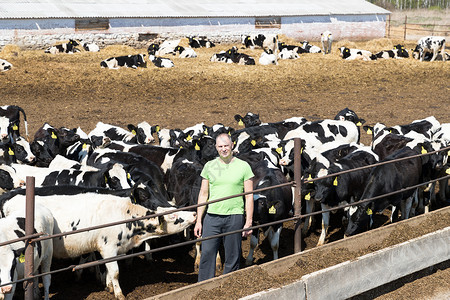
[216,224]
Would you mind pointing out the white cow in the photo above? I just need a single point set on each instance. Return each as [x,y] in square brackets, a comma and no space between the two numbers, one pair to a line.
[268,58]
[430,44]
[91,47]
[12,255]
[70,213]
[167,47]
[285,53]
[327,39]
[4,65]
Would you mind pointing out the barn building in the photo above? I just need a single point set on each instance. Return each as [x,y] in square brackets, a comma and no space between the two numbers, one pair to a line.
[40,23]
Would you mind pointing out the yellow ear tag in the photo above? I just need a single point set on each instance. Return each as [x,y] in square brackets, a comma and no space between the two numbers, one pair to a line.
[54,136]
[272,210]
[15,127]
[106,179]
[448,153]
[369,211]
[448,171]
[128,175]
[189,137]
[22,258]
[309,177]
[308,197]
[301,150]
[10,151]
[84,146]
[133,132]
[206,131]
[197,147]
[158,128]
[241,123]
[335,182]
[424,151]
[358,124]
[181,147]
[369,131]
[279,150]
[253,142]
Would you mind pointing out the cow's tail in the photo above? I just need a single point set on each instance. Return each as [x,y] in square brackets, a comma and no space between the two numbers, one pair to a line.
[25,122]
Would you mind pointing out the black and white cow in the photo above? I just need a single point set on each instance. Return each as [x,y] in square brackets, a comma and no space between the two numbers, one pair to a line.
[345,188]
[127,61]
[392,177]
[9,179]
[349,115]
[268,58]
[200,42]
[184,52]
[68,47]
[220,57]
[161,62]
[355,54]
[326,38]
[5,65]
[13,255]
[285,53]
[270,205]
[398,52]
[432,44]
[310,48]
[91,47]
[151,50]
[141,133]
[264,41]
[22,151]
[167,47]
[239,58]
[70,213]
[295,48]
[249,120]
[10,122]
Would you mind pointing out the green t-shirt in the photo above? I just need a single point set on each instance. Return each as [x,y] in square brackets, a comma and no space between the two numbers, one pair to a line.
[226,180]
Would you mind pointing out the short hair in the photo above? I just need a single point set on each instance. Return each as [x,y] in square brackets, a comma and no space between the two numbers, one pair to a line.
[224,135]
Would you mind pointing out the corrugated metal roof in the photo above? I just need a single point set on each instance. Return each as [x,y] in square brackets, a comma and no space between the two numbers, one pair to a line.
[18,9]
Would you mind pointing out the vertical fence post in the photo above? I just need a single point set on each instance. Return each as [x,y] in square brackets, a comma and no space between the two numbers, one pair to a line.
[297,196]
[389,26]
[404,32]
[28,285]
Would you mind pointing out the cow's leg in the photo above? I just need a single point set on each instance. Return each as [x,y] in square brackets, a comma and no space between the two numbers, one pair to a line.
[406,205]
[415,201]
[309,206]
[46,279]
[435,53]
[148,256]
[325,224]
[112,274]
[443,52]
[254,241]
[274,238]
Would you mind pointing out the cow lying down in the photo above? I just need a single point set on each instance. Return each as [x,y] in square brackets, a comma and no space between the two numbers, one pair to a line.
[4,65]
[352,54]
[127,61]
[70,213]
[161,62]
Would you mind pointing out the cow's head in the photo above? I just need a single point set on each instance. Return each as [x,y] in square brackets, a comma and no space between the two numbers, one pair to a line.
[152,49]
[401,51]
[360,219]
[250,119]
[143,132]
[4,65]
[175,222]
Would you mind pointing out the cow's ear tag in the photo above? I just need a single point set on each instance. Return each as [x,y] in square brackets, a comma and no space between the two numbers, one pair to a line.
[301,150]
[84,146]
[229,133]
[206,131]
[424,151]
[15,127]
[10,151]
[272,210]
[448,171]
[22,258]
[106,179]
[335,182]
[308,197]
[158,128]
[197,147]
[181,147]
[309,177]
[241,123]
[54,136]
[128,176]
[253,142]
[279,150]
[189,137]
[133,132]
[358,124]
[369,211]
[369,131]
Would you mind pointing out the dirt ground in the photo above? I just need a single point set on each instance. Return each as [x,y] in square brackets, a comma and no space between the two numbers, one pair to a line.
[72,90]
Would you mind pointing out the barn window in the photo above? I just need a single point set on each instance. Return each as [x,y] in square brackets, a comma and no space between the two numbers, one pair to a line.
[268,22]
[91,24]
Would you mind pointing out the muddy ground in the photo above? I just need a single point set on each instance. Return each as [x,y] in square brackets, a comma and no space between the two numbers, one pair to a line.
[72,90]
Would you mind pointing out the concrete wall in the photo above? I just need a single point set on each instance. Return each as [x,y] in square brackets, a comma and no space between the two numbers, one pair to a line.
[42,33]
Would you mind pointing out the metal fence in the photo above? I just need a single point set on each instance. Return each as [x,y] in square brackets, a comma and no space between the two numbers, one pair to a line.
[31,238]
[408,30]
